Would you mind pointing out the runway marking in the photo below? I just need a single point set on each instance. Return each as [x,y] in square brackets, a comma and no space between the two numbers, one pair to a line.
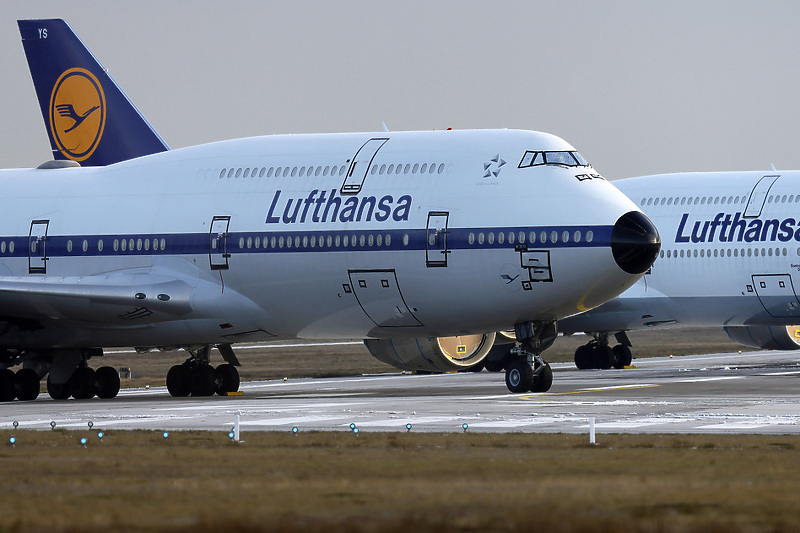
[736,425]
[297,420]
[631,424]
[701,380]
[545,395]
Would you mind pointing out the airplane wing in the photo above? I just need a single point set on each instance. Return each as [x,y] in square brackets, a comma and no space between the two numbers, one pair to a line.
[111,298]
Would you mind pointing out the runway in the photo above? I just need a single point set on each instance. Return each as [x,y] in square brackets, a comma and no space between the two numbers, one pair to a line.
[754,392]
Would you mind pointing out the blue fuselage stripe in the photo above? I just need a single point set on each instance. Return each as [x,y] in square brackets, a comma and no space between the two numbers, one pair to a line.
[549,237]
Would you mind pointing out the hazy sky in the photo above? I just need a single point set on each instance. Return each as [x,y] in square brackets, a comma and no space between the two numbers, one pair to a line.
[639,87]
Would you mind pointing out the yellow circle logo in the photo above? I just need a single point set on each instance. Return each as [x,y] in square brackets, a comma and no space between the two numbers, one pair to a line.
[77,113]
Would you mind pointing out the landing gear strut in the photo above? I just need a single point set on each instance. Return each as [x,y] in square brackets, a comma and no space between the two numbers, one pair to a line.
[197,377]
[598,354]
[525,368]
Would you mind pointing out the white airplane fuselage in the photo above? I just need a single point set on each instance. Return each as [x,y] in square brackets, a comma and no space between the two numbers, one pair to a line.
[730,254]
[206,245]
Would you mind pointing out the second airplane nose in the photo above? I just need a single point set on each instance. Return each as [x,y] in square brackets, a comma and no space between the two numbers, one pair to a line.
[635,242]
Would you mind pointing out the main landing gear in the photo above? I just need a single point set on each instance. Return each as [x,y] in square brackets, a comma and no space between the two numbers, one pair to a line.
[22,385]
[197,377]
[525,368]
[598,354]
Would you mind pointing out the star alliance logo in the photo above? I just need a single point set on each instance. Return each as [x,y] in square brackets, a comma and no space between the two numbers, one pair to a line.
[493,167]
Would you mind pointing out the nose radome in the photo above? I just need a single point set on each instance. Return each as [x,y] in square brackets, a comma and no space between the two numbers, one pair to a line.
[635,242]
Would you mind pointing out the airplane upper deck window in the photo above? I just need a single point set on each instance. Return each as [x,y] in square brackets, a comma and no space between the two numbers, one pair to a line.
[567,159]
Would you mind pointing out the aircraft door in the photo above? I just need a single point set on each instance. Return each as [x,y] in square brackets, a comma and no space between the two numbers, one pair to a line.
[37,247]
[218,255]
[776,293]
[378,294]
[758,196]
[436,239]
[357,172]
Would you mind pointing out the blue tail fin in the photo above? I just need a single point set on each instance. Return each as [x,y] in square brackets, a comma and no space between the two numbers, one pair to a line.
[88,117]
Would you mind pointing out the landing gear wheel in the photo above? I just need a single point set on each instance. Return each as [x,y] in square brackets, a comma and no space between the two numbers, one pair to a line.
[203,382]
[57,391]
[83,383]
[519,375]
[107,382]
[622,356]
[27,385]
[544,380]
[179,381]
[605,357]
[8,385]
[584,357]
[227,379]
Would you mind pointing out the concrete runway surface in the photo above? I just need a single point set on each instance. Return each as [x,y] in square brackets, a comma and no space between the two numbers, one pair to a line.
[754,392]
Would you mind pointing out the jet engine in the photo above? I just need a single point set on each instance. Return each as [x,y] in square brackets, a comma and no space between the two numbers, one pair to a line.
[436,354]
[766,337]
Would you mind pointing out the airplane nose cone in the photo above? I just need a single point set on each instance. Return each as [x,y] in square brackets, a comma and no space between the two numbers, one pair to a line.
[635,242]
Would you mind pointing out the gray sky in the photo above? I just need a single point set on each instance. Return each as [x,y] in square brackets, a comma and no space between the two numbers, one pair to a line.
[639,87]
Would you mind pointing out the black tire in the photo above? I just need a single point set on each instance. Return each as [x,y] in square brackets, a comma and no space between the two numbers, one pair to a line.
[227,379]
[83,383]
[203,380]
[605,357]
[107,382]
[519,375]
[27,385]
[584,357]
[8,385]
[544,380]
[179,381]
[57,391]
[622,356]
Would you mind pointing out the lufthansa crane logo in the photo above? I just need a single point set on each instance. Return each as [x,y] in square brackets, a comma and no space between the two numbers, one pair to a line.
[77,113]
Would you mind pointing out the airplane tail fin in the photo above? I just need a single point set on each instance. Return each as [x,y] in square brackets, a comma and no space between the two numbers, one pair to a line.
[87,116]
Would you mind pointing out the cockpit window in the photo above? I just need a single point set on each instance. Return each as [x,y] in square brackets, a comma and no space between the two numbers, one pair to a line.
[568,159]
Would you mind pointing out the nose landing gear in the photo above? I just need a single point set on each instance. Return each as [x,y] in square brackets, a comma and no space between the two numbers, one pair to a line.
[526,370]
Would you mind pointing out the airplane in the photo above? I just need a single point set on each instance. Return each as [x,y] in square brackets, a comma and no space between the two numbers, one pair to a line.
[731,259]
[421,243]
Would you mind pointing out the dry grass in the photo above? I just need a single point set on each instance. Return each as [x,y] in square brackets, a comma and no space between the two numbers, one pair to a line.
[199,481]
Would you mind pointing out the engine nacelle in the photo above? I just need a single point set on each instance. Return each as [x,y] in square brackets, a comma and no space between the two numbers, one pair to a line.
[437,354]
[766,337]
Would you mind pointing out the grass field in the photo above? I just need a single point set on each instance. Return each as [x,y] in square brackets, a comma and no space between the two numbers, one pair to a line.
[337,481]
